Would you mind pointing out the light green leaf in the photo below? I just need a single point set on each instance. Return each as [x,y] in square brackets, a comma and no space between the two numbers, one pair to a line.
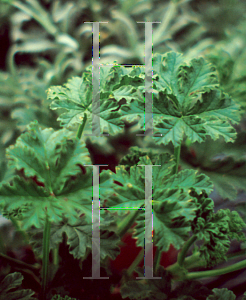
[189,178]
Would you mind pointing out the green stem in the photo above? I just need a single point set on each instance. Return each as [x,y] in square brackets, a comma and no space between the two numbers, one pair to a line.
[177,151]
[157,259]
[46,246]
[2,245]
[55,252]
[236,254]
[182,253]
[191,261]
[136,262]
[122,228]
[203,274]
[194,261]
[127,222]
[17,263]
[81,127]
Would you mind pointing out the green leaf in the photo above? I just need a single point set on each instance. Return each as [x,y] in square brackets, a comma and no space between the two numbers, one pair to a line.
[56,185]
[186,102]
[13,281]
[172,217]
[79,238]
[182,79]
[150,289]
[116,84]
[48,154]
[222,294]
[173,208]
[189,178]
[189,290]
[215,229]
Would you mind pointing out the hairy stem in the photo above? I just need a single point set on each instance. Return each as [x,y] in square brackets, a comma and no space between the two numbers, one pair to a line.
[81,127]
[46,246]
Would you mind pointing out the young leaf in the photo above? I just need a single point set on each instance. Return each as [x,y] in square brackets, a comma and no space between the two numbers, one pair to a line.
[216,229]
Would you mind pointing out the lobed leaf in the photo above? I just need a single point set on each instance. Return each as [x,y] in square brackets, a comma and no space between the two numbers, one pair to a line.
[187,101]
[53,182]
[79,238]
[173,208]
[10,288]
[116,83]
[216,230]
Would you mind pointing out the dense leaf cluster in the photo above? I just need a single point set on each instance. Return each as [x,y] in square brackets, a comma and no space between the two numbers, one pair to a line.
[55,177]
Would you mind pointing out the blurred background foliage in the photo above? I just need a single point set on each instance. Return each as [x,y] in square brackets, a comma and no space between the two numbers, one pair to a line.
[46,42]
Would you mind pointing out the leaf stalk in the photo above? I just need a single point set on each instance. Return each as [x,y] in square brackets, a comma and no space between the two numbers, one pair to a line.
[177,151]
[157,259]
[210,273]
[46,246]
[81,127]
[182,253]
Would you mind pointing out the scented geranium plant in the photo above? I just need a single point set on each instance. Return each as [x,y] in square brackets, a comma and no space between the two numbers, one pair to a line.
[51,195]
